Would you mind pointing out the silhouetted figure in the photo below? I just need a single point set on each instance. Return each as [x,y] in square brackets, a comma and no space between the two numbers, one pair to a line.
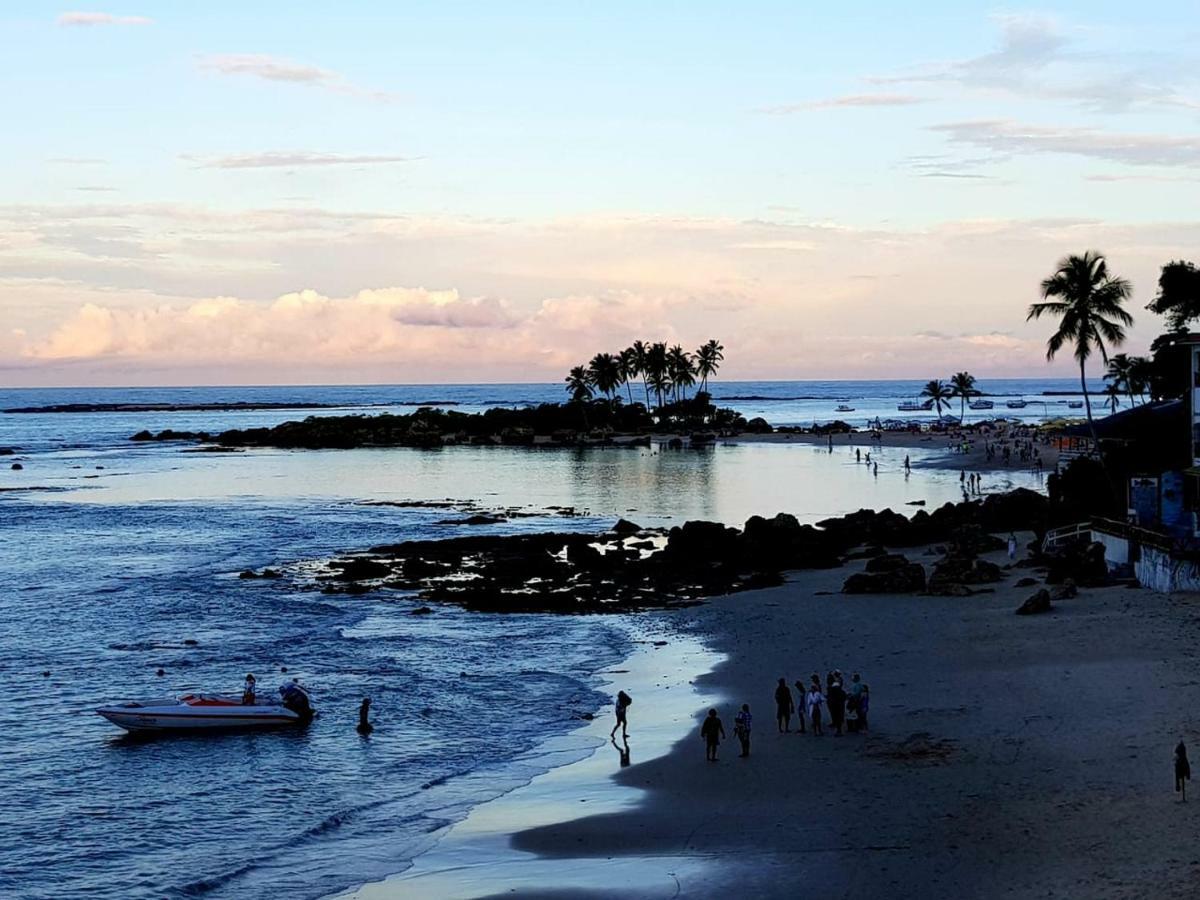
[813,701]
[622,711]
[801,713]
[1183,770]
[248,691]
[622,750]
[364,709]
[741,727]
[907,464]
[712,731]
[836,698]
[784,706]
[1012,547]
[857,455]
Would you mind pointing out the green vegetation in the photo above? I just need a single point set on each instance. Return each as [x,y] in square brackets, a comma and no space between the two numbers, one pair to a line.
[668,372]
[939,392]
[962,385]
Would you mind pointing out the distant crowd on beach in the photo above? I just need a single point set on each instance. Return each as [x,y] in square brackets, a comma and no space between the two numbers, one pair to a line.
[847,710]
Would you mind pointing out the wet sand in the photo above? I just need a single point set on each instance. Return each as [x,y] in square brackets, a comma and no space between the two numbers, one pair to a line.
[1008,756]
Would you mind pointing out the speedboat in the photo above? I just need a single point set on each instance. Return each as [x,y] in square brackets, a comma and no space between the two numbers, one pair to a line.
[1016,404]
[211,712]
[1075,404]
[844,408]
[982,404]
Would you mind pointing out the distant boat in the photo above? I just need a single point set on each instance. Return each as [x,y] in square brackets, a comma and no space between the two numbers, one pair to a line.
[1016,404]
[914,406]
[1075,404]
[982,404]
[842,407]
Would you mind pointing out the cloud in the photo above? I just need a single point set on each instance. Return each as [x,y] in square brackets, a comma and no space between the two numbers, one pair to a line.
[291,159]
[95,188]
[78,161]
[847,101]
[1009,137]
[277,69]
[87,19]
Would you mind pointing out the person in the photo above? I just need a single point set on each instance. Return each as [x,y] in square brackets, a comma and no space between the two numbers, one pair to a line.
[875,471]
[784,706]
[836,697]
[864,705]
[857,455]
[712,731]
[1183,771]
[800,712]
[1012,546]
[364,724]
[248,691]
[741,727]
[813,702]
[622,710]
[907,464]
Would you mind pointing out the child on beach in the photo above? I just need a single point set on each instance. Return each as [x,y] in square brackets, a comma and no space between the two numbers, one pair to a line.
[712,731]
[784,706]
[741,727]
[622,711]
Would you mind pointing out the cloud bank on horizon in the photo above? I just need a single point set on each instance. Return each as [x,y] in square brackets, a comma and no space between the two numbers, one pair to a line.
[515,192]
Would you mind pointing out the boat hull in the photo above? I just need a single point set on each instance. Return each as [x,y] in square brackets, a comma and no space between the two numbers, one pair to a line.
[170,716]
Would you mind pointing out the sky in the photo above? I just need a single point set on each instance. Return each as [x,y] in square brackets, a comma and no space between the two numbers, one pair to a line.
[382,192]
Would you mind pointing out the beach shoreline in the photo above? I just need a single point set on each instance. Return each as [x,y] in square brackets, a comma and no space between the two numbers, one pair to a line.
[1023,756]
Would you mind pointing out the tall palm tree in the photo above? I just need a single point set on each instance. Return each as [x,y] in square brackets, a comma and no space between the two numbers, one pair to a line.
[604,370]
[640,351]
[1120,374]
[656,369]
[1113,392]
[962,385]
[1087,301]
[1140,370]
[579,384]
[627,363]
[681,369]
[939,393]
[708,360]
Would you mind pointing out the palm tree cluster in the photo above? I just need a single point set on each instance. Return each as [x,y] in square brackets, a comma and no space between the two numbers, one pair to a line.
[666,372]
[1127,376]
[961,385]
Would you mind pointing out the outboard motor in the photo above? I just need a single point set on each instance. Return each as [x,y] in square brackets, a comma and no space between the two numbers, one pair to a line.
[297,700]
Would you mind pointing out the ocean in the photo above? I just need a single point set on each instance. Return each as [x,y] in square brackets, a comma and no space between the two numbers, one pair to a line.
[114,554]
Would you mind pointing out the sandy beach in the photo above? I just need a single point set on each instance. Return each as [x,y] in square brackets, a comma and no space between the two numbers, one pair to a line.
[1008,756]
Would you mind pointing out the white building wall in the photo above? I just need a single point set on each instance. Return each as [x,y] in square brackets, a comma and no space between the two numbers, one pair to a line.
[1158,572]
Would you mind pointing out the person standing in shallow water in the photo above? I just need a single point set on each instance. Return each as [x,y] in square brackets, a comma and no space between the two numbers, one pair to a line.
[622,712]
[741,727]
[712,731]
[784,706]
[1183,770]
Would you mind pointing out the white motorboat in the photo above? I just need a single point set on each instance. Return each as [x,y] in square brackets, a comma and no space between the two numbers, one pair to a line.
[211,712]
[844,408]
[1016,404]
[914,405]
[1075,404]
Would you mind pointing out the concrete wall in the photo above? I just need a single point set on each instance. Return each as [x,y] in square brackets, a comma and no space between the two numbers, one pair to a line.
[1158,572]
[1116,549]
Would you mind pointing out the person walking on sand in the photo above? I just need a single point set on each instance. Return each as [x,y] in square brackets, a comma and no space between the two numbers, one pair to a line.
[1183,771]
[712,731]
[836,697]
[741,727]
[813,702]
[907,464]
[1012,546]
[784,706]
[622,710]
[800,710]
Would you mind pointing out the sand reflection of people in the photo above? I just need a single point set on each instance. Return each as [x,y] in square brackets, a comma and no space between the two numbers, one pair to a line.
[621,748]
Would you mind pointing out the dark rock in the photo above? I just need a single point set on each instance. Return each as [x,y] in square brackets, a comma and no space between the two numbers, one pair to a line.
[915,503]
[16,467]
[758,425]
[902,580]
[160,673]
[476,519]
[1081,562]
[1037,603]
[624,528]
[7,451]
[1064,591]
[191,642]
[887,562]
[359,569]
[265,573]
[971,540]
[1026,582]
[962,571]
[421,611]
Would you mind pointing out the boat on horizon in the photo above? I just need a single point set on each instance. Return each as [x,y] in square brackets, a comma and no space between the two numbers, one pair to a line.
[914,405]
[982,404]
[842,407]
[1075,404]
[211,712]
[1017,404]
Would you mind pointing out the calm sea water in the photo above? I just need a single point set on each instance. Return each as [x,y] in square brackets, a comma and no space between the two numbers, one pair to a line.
[113,554]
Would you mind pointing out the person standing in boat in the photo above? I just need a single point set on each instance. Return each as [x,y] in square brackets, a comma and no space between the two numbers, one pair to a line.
[248,691]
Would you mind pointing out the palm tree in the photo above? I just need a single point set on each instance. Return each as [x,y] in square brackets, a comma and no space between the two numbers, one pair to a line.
[1087,301]
[939,393]
[627,363]
[656,369]
[1120,373]
[1141,369]
[640,351]
[579,384]
[962,385]
[708,360]
[681,369]
[604,370]
[1113,392]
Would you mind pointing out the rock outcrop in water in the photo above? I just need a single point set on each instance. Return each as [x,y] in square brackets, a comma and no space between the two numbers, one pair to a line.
[630,569]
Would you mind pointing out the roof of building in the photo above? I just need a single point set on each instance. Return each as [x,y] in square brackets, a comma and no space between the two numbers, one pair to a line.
[1161,419]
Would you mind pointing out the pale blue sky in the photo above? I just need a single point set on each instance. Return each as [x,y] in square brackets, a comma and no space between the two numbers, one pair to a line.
[165,153]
